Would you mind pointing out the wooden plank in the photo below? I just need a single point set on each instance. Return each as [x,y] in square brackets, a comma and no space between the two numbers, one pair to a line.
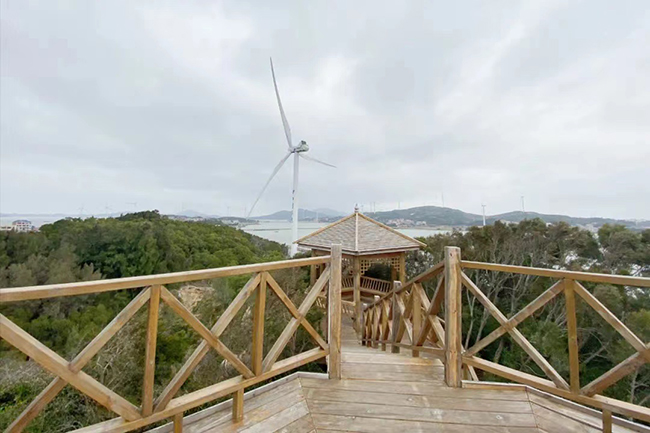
[335,423]
[415,388]
[238,405]
[553,273]
[610,318]
[441,416]
[420,401]
[257,351]
[150,351]
[293,324]
[334,311]
[515,320]
[79,361]
[385,329]
[453,314]
[516,335]
[280,420]
[551,422]
[58,366]
[432,310]
[301,425]
[202,349]
[572,332]
[204,332]
[86,287]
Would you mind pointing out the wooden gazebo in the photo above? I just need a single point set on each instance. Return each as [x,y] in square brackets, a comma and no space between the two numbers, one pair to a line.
[364,242]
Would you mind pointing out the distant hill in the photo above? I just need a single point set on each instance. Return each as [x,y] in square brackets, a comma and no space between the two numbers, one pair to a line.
[303,214]
[443,216]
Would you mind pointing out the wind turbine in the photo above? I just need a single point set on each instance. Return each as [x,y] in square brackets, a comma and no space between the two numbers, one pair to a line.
[298,151]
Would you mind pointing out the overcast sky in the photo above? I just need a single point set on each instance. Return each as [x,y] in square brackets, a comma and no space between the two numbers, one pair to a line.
[171,105]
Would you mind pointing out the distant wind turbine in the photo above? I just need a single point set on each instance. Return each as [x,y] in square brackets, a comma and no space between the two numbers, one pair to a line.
[298,151]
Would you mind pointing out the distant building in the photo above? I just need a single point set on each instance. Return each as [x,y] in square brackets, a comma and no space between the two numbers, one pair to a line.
[22,226]
[6,228]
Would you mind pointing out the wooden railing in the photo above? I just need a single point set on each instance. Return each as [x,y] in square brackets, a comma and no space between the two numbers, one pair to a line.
[369,284]
[152,292]
[408,310]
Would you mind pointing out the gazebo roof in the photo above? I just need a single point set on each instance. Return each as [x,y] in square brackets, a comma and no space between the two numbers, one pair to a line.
[360,235]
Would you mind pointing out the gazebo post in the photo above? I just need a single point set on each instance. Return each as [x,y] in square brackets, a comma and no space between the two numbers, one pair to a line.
[356,262]
[312,271]
[402,267]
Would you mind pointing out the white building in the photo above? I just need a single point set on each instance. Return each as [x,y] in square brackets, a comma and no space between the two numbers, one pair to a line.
[22,226]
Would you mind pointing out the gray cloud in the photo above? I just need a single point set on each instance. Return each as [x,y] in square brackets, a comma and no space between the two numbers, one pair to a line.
[171,105]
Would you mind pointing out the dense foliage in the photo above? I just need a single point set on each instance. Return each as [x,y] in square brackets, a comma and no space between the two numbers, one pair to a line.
[615,249]
[135,244]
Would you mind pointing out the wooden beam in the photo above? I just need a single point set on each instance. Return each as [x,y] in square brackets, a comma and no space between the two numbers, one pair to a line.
[178,423]
[275,287]
[293,324]
[257,352]
[453,314]
[515,320]
[150,352]
[204,332]
[58,366]
[394,348]
[572,333]
[553,273]
[607,421]
[516,335]
[416,316]
[98,286]
[79,361]
[610,318]
[356,273]
[402,267]
[238,405]
[614,375]
[202,349]
[334,313]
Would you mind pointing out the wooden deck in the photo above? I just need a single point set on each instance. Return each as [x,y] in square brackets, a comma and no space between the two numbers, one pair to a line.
[384,392]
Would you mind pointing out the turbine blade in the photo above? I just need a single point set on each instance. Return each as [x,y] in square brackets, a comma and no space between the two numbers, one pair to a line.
[309,158]
[275,171]
[285,122]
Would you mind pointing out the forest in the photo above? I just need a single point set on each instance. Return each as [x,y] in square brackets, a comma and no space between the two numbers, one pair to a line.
[134,244]
[148,243]
[614,249]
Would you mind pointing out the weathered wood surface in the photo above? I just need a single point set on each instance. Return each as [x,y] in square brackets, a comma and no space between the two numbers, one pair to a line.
[362,402]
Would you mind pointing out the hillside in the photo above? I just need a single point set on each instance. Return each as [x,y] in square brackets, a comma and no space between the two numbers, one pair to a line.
[443,216]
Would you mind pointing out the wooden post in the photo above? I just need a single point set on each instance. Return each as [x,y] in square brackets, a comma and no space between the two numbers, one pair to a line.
[178,423]
[238,405]
[356,269]
[402,267]
[416,317]
[375,322]
[572,331]
[453,330]
[257,352]
[384,324]
[607,421]
[312,271]
[334,310]
[396,317]
[150,351]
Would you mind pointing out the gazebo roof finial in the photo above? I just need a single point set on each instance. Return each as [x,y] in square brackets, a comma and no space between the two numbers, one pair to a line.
[356,208]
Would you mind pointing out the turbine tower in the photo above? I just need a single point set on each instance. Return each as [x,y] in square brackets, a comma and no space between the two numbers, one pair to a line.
[298,152]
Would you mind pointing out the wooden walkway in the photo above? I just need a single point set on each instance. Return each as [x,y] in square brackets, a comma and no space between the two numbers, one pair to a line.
[384,392]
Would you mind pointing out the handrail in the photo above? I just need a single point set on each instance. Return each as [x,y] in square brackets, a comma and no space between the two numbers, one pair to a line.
[407,312]
[556,273]
[87,287]
[262,367]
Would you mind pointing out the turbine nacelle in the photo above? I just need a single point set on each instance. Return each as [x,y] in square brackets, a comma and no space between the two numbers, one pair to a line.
[301,147]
